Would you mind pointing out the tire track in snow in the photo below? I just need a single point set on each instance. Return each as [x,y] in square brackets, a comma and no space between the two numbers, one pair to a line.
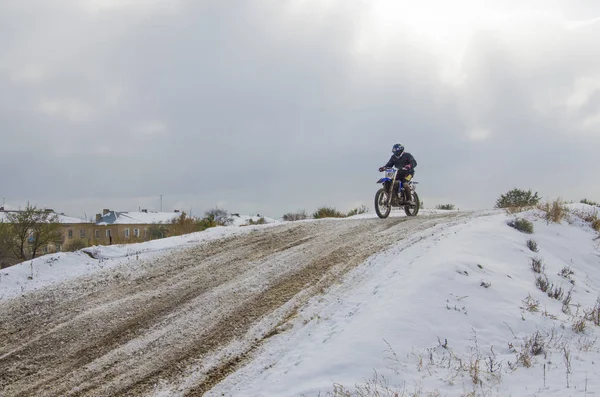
[120,333]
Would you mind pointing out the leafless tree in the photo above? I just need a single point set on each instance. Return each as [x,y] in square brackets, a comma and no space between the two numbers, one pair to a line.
[220,216]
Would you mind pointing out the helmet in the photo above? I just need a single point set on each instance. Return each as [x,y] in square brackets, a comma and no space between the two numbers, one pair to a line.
[398,150]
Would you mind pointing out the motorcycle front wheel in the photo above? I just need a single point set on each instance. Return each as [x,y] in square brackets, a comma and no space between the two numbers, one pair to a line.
[383,204]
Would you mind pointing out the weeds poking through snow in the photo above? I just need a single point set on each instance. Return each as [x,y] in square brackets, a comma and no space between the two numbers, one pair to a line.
[534,345]
[542,283]
[530,304]
[532,245]
[522,225]
[549,315]
[567,357]
[579,325]
[485,284]
[593,314]
[537,265]
[585,344]
[566,272]
[556,292]
[566,308]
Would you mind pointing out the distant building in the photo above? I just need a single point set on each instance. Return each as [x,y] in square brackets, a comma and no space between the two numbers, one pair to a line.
[109,227]
[126,226]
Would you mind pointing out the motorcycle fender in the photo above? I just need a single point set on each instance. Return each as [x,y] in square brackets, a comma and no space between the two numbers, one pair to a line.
[383,180]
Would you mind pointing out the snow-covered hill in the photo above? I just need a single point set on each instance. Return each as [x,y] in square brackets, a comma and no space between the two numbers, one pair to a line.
[448,307]
[457,314]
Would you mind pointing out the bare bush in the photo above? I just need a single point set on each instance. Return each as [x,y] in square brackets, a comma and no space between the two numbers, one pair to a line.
[327,212]
[447,207]
[219,216]
[295,216]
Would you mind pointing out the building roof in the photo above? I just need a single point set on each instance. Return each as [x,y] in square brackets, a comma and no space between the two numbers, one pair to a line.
[141,218]
[61,218]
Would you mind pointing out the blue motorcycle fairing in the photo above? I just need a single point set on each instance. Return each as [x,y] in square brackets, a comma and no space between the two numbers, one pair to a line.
[383,180]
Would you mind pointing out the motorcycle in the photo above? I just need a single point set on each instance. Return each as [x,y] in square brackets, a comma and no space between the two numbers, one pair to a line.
[387,197]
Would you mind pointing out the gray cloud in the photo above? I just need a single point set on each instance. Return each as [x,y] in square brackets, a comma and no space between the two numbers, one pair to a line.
[274,106]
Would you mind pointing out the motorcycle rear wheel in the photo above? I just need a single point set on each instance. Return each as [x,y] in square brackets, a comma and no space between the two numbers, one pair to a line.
[383,204]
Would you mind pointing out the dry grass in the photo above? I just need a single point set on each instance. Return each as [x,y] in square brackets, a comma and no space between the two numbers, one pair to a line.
[554,211]
[379,386]
[530,304]
[359,210]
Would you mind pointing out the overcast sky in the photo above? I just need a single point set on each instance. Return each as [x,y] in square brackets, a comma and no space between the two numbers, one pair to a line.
[271,106]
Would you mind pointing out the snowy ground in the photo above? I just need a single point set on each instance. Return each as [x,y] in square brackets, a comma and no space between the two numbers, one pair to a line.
[449,311]
[430,318]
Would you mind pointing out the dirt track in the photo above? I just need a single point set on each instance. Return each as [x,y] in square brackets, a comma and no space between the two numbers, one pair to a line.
[176,317]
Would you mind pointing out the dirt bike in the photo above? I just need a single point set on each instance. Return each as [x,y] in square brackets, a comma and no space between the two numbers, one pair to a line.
[387,196]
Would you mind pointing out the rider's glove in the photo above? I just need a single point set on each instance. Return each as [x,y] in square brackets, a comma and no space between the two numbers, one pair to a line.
[381,169]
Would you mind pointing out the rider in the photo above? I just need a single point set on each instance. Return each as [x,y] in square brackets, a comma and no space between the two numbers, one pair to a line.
[405,163]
